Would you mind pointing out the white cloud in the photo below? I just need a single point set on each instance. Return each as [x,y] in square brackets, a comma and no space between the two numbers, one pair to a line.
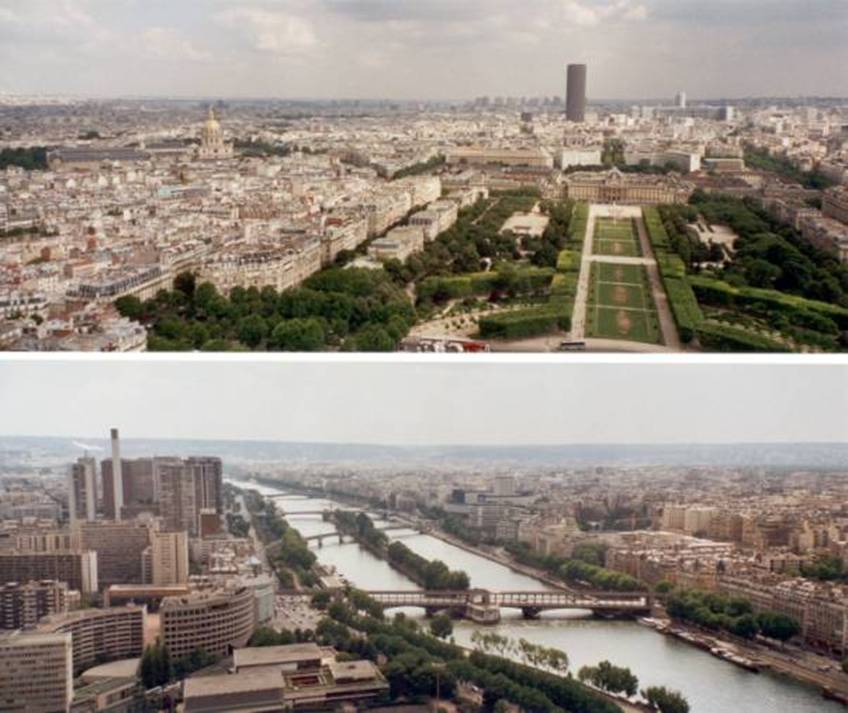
[7,17]
[169,44]
[591,14]
[271,31]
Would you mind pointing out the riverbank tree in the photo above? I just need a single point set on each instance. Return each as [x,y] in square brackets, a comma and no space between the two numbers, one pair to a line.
[431,574]
[735,615]
[577,571]
[614,679]
[424,660]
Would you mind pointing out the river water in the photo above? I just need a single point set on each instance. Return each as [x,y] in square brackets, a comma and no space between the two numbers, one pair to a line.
[710,685]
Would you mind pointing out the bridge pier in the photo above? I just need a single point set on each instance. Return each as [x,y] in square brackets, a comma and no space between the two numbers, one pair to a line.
[530,612]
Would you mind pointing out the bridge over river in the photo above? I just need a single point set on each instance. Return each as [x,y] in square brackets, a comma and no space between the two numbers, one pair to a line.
[340,535]
[484,606]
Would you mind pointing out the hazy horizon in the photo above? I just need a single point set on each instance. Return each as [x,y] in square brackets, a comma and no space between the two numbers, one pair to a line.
[417,446]
[416,402]
[405,49]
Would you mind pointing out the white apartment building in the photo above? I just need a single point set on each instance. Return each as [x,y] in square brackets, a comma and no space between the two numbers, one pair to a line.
[36,672]
[398,244]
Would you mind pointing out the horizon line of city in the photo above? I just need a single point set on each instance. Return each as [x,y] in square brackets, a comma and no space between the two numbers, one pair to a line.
[402,100]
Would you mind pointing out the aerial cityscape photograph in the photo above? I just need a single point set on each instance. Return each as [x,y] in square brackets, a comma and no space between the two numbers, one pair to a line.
[170,547]
[423,356]
[390,175]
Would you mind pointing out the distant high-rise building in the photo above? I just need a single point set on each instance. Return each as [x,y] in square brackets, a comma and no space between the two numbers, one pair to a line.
[680,101]
[137,487]
[168,554]
[187,488]
[208,475]
[82,490]
[177,497]
[575,93]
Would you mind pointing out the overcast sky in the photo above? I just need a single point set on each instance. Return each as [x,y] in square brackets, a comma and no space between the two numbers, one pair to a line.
[423,48]
[412,403]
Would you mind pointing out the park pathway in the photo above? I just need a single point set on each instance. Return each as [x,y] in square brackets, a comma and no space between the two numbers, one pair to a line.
[581,300]
[669,329]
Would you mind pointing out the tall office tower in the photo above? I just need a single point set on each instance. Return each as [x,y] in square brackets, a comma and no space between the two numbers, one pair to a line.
[117,476]
[137,487]
[186,489]
[82,490]
[36,672]
[575,93]
[168,554]
[208,474]
[681,100]
[178,497]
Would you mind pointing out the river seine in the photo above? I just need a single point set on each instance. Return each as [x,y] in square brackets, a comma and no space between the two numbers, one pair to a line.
[710,685]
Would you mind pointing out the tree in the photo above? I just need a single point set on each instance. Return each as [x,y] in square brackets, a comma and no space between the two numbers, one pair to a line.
[610,678]
[374,338]
[441,626]
[148,671]
[663,587]
[761,273]
[155,667]
[778,626]
[186,283]
[298,335]
[744,626]
[266,636]
[252,330]
[321,600]
[665,700]
[130,306]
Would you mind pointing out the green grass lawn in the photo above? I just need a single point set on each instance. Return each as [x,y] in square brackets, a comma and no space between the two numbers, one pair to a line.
[616,248]
[615,229]
[629,325]
[616,238]
[630,296]
[621,274]
[621,305]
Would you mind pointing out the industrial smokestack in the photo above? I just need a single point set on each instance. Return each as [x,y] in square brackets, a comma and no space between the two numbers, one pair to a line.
[117,476]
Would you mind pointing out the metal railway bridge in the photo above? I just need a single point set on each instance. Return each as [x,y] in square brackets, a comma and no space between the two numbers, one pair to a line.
[475,603]
[340,535]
